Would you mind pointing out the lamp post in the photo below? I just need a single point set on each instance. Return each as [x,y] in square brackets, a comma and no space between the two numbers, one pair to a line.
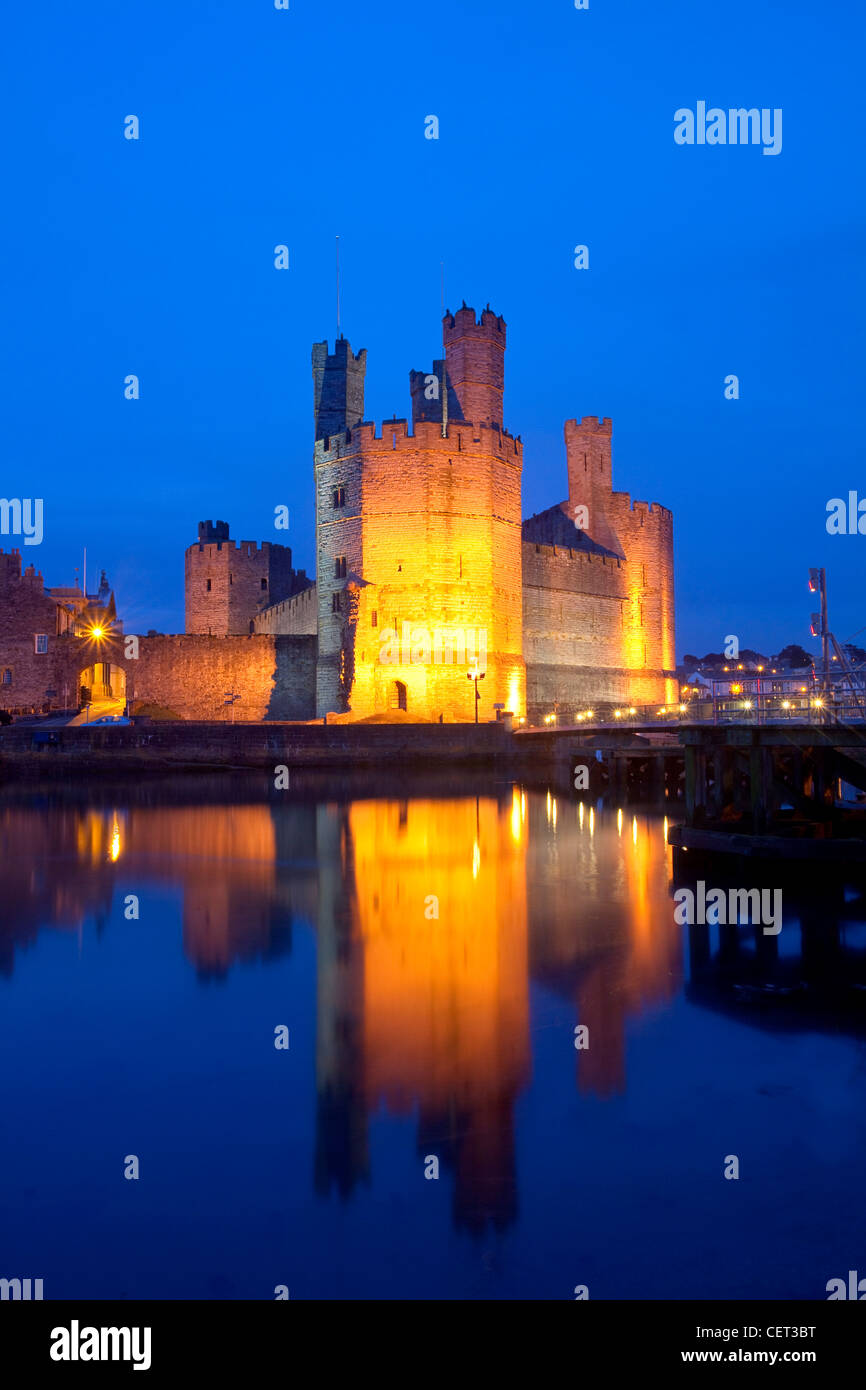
[820,626]
[476,676]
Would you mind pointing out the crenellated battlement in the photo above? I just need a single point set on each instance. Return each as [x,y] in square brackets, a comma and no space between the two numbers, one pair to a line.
[465,323]
[589,424]
[341,355]
[396,434]
[10,565]
[11,572]
[229,547]
[213,531]
[623,502]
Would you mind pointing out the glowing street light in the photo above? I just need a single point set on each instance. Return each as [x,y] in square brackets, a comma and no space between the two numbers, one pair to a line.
[476,676]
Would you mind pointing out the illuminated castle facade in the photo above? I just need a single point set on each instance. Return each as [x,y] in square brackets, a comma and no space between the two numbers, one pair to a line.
[426,571]
[426,575]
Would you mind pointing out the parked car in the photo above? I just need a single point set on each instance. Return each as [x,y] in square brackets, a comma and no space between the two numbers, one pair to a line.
[108,719]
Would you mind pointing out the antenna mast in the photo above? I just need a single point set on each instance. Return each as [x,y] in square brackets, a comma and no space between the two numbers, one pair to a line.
[444,373]
[338,285]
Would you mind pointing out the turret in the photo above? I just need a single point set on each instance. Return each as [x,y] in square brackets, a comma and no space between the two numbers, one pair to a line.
[338,387]
[475,360]
[590,478]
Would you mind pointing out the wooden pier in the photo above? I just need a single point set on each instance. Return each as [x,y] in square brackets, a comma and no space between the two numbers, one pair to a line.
[768,791]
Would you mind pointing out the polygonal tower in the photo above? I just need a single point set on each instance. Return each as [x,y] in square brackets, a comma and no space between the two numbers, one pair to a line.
[419,547]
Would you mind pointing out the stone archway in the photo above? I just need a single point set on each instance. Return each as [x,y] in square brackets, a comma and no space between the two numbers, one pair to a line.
[101,682]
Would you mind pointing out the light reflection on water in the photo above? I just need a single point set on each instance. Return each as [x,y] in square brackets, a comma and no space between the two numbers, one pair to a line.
[432,958]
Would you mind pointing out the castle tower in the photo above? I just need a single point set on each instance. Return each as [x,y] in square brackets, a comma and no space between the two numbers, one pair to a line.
[426,391]
[418,536]
[642,536]
[227,583]
[338,387]
[598,590]
[590,477]
[475,363]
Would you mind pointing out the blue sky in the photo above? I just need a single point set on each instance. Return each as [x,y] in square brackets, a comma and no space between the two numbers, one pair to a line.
[261,127]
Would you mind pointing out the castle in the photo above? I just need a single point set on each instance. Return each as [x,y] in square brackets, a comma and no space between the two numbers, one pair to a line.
[425,574]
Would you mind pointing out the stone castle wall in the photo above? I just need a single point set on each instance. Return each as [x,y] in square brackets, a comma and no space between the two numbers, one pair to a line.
[25,612]
[430,532]
[191,674]
[599,628]
[295,616]
[574,607]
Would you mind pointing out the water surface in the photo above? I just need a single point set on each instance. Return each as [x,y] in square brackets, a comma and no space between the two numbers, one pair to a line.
[431,957]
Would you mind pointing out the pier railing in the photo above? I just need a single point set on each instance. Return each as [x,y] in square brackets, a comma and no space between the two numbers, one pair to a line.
[758,709]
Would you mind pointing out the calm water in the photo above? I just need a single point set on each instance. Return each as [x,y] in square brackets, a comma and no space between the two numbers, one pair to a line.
[412,1037]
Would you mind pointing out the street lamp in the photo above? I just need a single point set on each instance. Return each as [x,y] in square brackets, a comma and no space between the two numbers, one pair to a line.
[476,676]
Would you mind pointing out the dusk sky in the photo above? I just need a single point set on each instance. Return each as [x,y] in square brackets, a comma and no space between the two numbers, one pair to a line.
[261,127]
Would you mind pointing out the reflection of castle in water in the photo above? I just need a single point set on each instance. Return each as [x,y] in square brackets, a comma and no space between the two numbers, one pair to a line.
[423,1012]
[417,1012]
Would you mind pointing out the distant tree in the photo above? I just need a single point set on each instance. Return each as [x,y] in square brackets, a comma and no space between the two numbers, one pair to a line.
[856,655]
[794,655]
[754,658]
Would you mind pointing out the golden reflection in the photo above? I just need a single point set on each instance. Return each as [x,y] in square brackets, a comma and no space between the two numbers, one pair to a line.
[432,917]
[436,1006]
[602,934]
[516,817]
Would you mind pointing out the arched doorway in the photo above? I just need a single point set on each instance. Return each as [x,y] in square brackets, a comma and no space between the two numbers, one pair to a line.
[397,696]
[102,681]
